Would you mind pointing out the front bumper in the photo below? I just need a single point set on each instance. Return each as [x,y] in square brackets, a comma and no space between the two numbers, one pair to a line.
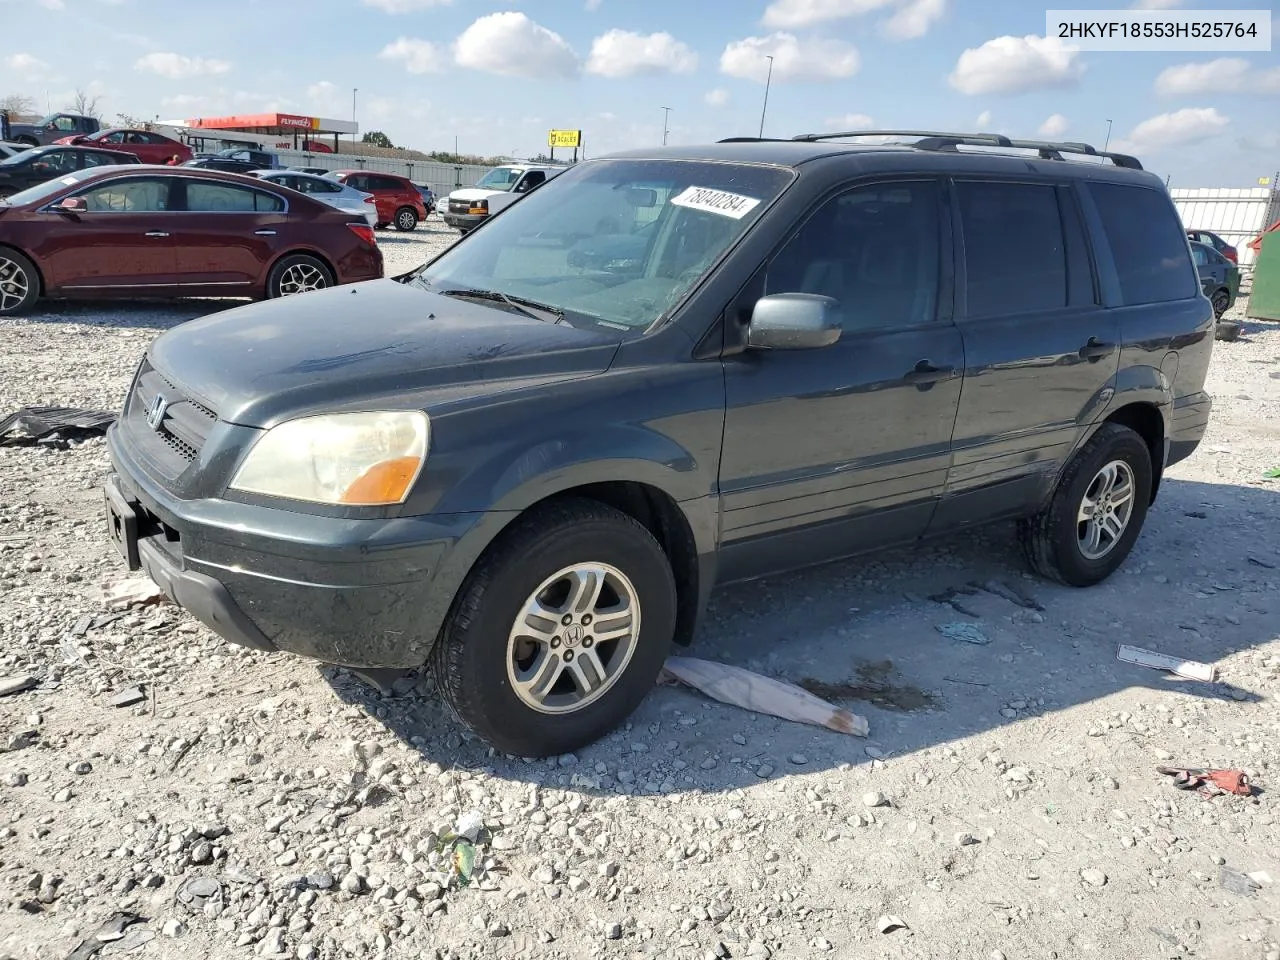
[359,593]
[462,221]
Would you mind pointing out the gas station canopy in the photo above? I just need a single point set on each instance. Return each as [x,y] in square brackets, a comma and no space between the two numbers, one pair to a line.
[275,124]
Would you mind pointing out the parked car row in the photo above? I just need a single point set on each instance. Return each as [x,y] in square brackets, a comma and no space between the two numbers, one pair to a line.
[161,231]
[37,165]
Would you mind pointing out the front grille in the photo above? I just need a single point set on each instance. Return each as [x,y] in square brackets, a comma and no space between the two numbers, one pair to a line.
[459,206]
[175,439]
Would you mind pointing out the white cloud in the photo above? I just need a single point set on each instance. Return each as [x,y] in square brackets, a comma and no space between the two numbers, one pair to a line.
[1181,127]
[405,6]
[716,98]
[1016,65]
[794,59]
[804,13]
[913,19]
[591,6]
[24,62]
[621,53]
[983,121]
[418,56]
[1224,75]
[850,121]
[52,4]
[1054,127]
[511,45]
[1155,4]
[177,67]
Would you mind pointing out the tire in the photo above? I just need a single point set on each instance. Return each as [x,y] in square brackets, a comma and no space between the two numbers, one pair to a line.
[1051,540]
[406,219]
[479,658]
[19,283]
[298,273]
[1228,330]
[1221,301]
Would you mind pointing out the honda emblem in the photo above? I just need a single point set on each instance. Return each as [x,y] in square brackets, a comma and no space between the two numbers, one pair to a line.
[156,411]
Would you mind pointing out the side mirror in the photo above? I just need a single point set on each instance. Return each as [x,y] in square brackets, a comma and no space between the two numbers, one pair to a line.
[794,321]
[71,205]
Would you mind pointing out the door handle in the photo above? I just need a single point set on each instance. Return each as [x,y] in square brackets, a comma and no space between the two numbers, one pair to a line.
[1095,349]
[925,372]
[264,233]
[155,233]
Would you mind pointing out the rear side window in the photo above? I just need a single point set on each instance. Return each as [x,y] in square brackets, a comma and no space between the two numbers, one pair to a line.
[388,183]
[1014,248]
[1147,243]
[229,198]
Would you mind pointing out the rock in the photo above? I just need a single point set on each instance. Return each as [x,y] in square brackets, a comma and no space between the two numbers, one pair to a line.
[613,931]
[822,943]
[799,759]
[80,768]
[213,831]
[173,928]
[998,955]
[1018,775]
[320,881]
[128,697]
[1093,877]
[764,771]
[758,949]
[608,869]
[17,779]
[353,884]
[202,853]
[965,839]
[497,929]
[16,684]
[889,923]
[873,799]
[577,884]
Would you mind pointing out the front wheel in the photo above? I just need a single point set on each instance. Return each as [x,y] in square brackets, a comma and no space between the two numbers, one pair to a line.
[560,630]
[19,282]
[406,219]
[298,273]
[1096,513]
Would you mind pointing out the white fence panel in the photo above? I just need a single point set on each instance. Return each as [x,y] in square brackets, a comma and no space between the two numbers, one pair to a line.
[443,178]
[1235,215]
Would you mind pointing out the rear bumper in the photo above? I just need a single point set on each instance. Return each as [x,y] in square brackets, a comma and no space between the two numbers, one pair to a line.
[359,593]
[1188,424]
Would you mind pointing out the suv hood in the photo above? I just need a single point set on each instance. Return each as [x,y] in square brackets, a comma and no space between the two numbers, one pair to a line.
[365,344]
[473,193]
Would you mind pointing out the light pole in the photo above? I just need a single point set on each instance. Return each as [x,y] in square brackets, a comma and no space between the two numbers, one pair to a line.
[1107,142]
[354,91]
[666,113]
[767,80]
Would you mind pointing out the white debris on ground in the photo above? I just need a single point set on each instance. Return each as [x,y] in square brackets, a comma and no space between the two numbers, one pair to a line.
[189,799]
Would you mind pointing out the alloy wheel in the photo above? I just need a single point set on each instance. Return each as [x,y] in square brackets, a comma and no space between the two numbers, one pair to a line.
[1105,510]
[301,278]
[15,285]
[573,638]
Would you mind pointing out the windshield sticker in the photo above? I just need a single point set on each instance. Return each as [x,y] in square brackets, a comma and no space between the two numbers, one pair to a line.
[69,180]
[733,205]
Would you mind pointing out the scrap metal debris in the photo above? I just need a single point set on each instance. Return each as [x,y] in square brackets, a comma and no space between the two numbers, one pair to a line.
[966,632]
[16,684]
[1209,782]
[30,424]
[759,694]
[1190,669]
[139,591]
[128,697]
[109,931]
[1234,881]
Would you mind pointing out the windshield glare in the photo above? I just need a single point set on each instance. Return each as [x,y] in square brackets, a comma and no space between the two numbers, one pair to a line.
[499,178]
[618,242]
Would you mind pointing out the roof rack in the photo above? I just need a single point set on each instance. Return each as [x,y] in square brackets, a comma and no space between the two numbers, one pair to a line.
[935,140]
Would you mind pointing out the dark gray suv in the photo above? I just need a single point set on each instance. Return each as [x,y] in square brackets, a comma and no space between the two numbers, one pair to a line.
[528,462]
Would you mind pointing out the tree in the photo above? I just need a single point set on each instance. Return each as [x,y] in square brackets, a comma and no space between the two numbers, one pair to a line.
[84,105]
[17,105]
[131,123]
[378,139]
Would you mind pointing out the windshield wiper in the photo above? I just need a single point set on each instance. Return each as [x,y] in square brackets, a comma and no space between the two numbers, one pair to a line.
[530,308]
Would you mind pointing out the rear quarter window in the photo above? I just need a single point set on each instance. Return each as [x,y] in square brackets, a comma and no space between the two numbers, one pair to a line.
[1148,243]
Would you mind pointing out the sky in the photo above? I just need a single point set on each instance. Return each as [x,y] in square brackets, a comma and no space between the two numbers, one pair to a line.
[497,74]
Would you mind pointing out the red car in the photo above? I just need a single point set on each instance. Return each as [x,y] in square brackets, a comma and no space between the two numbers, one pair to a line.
[174,232]
[397,199]
[146,146]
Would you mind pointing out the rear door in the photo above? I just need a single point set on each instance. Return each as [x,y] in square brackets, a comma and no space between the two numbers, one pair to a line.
[229,234]
[122,243]
[1041,353]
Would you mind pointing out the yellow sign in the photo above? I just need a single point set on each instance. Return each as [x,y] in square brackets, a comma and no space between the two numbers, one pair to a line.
[564,138]
[1264,181]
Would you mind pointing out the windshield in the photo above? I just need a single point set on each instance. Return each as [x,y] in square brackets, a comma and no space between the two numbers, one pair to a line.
[20,157]
[614,242]
[499,178]
[48,188]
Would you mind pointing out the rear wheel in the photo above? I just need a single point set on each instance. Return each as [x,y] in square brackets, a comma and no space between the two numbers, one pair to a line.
[1096,512]
[560,630]
[1221,301]
[19,282]
[299,273]
[406,219]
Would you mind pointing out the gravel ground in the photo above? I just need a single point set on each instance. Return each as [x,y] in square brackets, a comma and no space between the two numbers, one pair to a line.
[1006,804]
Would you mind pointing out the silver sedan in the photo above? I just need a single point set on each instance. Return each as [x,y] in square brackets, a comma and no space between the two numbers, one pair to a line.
[326,191]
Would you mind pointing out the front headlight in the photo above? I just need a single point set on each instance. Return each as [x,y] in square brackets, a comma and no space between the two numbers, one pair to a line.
[353,459]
